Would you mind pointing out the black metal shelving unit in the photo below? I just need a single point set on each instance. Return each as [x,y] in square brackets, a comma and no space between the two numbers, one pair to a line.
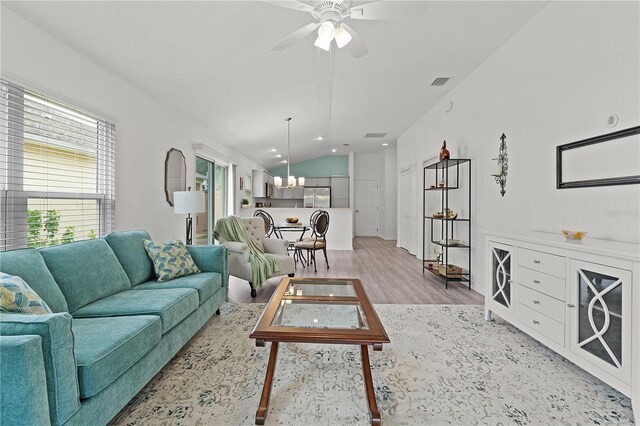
[442,171]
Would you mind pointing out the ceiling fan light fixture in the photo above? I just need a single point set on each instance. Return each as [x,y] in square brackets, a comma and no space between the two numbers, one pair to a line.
[323,43]
[342,37]
[327,30]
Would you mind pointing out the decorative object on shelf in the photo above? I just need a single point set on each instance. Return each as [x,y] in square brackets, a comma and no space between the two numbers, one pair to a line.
[450,214]
[292,220]
[438,254]
[438,215]
[441,183]
[500,173]
[573,235]
[175,173]
[451,271]
[444,152]
[244,203]
[618,159]
[188,202]
[449,242]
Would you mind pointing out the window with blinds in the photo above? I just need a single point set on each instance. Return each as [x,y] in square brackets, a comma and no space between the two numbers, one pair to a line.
[57,171]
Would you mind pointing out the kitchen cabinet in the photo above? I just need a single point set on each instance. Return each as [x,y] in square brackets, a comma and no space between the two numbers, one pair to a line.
[310,182]
[575,298]
[323,181]
[298,193]
[287,193]
[259,181]
[340,191]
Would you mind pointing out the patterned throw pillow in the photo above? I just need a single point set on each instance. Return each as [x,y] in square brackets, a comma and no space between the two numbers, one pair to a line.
[17,297]
[170,260]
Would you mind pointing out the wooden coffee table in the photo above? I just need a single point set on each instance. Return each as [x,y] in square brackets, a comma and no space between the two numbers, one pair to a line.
[320,310]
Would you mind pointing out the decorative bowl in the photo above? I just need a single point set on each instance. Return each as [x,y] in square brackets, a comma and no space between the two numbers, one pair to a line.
[292,220]
[573,235]
[438,215]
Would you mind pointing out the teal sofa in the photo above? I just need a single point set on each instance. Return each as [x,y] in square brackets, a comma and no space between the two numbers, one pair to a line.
[112,329]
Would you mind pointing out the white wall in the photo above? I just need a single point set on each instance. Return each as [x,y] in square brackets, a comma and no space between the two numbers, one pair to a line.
[145,129]
[555,81]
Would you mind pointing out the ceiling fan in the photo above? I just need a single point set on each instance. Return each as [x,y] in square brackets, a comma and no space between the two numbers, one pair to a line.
[330,15]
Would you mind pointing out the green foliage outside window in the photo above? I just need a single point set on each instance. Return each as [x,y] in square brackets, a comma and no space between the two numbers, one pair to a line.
[43,227]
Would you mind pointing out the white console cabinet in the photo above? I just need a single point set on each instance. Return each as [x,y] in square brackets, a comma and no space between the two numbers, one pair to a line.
[576,297]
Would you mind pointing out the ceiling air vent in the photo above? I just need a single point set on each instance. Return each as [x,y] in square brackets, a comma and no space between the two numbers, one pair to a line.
[375,135]
[440,81]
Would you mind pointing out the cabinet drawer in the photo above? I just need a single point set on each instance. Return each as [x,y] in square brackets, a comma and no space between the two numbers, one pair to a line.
[540,323]
[543,262]
[553,308]
[544,283]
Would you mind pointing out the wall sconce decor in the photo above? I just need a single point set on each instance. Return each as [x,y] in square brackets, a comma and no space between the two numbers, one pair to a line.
[500,173]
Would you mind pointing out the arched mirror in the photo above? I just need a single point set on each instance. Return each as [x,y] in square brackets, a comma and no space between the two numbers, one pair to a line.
[175,173]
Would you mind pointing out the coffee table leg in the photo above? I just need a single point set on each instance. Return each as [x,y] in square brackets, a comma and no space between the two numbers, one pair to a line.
[261,414]
[368,385]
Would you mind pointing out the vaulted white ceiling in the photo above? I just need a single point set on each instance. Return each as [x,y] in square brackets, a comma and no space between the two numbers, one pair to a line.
[212,60]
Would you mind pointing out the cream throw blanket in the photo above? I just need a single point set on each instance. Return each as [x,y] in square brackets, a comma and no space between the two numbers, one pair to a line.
[232,228]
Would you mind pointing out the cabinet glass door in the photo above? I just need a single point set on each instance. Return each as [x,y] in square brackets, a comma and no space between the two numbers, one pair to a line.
[501,281]
[603,312]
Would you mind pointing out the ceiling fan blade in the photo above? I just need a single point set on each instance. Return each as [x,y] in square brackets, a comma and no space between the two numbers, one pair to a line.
[291,4]
[356,47]
[389,9]
[295,36]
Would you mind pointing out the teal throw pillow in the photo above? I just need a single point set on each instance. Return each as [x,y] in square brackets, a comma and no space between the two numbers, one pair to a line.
[170,260]
[17,297]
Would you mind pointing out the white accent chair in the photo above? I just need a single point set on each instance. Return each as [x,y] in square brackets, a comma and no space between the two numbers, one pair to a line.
[239,265]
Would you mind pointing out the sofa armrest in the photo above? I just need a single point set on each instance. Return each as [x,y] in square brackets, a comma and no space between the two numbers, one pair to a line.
[54,331]
[23,394]
[212,258]
[275,246]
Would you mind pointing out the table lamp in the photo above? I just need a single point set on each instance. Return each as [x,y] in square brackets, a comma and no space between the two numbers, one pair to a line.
[188,202]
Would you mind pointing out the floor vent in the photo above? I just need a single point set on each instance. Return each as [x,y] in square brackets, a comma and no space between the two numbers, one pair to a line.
[375,135]
[440,81]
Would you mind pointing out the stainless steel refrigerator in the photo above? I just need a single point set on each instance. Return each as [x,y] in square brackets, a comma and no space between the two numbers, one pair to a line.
[317,197]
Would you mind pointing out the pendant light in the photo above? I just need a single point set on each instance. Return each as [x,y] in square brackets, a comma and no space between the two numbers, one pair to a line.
[291,180]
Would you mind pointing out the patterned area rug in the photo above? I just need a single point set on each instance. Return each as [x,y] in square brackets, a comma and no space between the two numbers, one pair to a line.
[445,365]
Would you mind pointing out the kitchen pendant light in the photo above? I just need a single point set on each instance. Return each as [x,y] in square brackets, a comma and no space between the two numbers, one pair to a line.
[277,181]
[291,180]
[300,181]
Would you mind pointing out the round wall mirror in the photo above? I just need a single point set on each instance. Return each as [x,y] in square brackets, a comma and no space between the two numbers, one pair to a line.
[175,173]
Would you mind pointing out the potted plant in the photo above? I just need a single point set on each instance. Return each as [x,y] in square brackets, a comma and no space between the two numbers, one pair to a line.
[244,203]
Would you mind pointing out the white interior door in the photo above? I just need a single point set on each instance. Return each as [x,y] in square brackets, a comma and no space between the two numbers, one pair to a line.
[406,210]
[366,214]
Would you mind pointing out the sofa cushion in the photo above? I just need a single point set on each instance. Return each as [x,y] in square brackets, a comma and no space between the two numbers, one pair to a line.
[129,249]
[29,265]
[206,283]
[172,305]
[170,260]
[85,271]
[17,297]
[107,347]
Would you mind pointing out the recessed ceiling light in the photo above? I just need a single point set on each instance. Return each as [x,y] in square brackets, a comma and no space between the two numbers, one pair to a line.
[273,149]
[385,144]
[333,150]
[320,138]
[284,161]
[278,155]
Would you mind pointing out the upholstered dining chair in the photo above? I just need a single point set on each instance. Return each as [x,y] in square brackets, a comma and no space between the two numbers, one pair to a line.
[317,240]
[269,225]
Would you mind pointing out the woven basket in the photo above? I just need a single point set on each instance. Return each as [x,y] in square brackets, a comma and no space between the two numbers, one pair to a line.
[451,271]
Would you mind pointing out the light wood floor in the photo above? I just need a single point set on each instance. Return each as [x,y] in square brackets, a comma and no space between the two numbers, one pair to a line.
[389,275]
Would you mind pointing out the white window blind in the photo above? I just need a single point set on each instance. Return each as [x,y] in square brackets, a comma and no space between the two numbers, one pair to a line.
[57,171]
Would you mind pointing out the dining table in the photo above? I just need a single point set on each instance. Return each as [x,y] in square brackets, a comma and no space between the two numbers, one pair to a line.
[278,229]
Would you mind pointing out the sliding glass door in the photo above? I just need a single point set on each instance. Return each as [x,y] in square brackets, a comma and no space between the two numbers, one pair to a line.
[213,179]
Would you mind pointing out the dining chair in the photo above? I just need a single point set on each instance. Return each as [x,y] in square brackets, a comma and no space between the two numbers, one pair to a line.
[318,239]
[269,225]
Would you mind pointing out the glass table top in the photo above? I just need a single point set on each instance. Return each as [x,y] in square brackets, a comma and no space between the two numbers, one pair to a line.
[327,304]
[310,288]
[309,314]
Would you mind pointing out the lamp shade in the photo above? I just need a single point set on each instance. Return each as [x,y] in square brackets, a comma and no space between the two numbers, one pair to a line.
[300,181]
[277,181]
[342,37]
[291,182]
[185,202]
